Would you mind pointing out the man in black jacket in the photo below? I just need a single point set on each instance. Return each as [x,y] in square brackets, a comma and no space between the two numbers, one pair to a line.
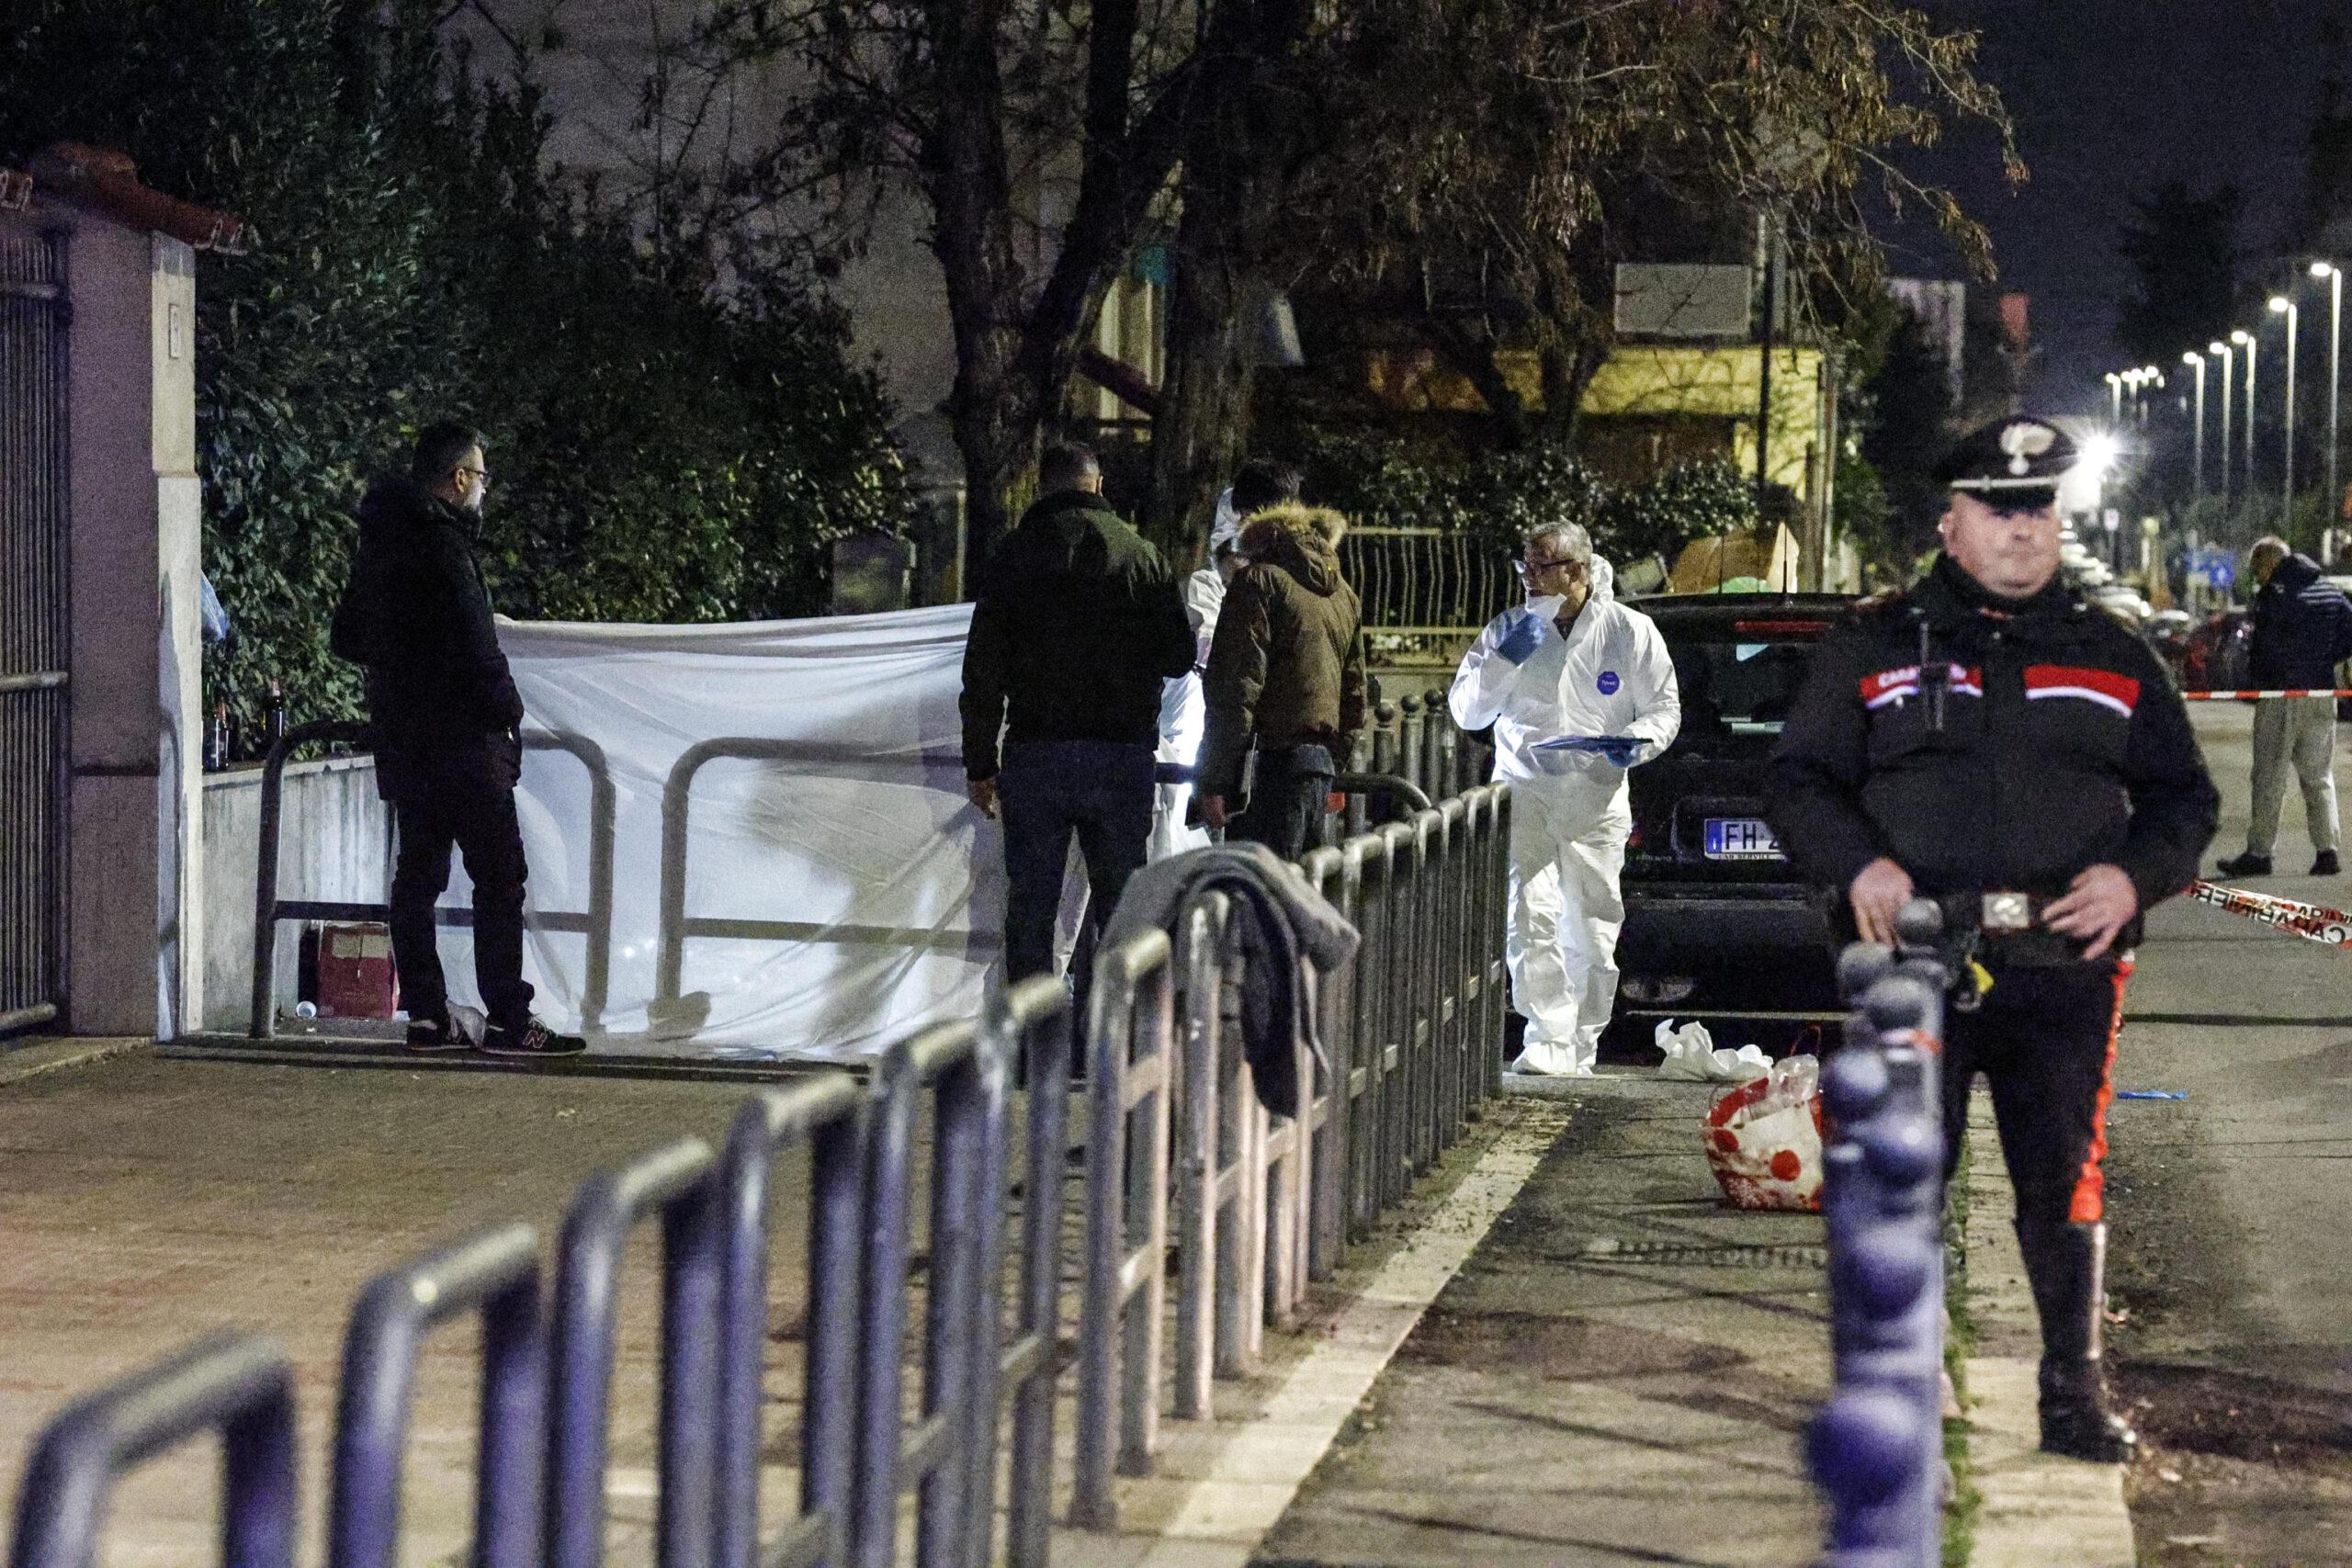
[444,711]
[1079,620]
[2302,630]
[1991,740]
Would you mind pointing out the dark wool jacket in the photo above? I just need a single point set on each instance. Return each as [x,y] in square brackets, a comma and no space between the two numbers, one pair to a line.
[1077,624]
[1287,668]
[2302,630]
[2063,747]
[417,616]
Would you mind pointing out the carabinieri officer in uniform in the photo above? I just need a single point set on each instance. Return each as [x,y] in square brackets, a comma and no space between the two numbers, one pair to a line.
[1990,740]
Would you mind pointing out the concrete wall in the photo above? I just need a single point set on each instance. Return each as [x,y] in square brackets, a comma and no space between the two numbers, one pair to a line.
[332,839]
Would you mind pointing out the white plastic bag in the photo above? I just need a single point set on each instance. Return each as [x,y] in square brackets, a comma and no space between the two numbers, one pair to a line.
[1764,1138]
[1691,1053]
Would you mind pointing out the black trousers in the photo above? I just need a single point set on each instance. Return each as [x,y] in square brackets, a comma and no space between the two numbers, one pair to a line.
[459,797]
[1101,791]
[1287,802]
[2044,1039]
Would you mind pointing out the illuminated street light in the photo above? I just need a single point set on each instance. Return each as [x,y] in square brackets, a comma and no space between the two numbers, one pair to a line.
[2229,393]
[2114,398]
[2282,306]
[2101,449]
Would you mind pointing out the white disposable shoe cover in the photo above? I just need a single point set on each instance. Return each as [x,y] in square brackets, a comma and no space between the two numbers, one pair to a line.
[1552,1059]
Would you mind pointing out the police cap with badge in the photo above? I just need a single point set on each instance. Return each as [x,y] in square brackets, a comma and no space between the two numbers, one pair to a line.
[2011,465]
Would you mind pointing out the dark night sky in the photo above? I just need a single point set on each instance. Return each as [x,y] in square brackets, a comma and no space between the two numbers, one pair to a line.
[2112,97]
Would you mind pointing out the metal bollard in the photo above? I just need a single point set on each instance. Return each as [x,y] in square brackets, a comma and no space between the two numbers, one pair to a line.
[1383,739]
[1410,724]
[1876,1448]
[1359,760]
[495,1273]
[1437,742]
[237,1385]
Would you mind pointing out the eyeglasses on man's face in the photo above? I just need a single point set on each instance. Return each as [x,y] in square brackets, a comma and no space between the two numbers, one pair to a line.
[481,474]
[1538,568]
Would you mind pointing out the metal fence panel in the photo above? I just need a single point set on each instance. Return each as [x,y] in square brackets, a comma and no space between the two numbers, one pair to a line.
[495,1274]
[674,1181]
[828,1115]
[35,525]
[237,1385]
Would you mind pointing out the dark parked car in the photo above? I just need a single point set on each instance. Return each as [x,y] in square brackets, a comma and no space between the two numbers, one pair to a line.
[1717,926]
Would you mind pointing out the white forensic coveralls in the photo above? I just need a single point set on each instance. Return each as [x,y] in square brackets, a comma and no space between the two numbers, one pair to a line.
[1610,676]
[1183,705]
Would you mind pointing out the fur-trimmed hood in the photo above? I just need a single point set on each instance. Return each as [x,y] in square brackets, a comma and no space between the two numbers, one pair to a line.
[1302,540]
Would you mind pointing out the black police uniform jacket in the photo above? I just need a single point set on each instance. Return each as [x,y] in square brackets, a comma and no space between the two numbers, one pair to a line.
[2062,746]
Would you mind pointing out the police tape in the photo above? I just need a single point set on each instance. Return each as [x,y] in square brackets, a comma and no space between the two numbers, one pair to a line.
[2253,696]
[2313,922]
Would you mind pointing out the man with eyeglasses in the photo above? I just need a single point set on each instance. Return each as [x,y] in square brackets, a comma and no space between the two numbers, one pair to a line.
[1580,690]
[443,712]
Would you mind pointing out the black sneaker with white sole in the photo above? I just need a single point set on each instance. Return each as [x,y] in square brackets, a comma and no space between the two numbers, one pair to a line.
[534,1039]
[436,1034]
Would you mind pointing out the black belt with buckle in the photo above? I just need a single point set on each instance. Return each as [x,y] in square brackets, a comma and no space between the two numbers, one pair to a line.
[2009,928]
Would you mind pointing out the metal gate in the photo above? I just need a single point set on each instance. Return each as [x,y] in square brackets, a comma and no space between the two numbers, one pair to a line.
[33,561]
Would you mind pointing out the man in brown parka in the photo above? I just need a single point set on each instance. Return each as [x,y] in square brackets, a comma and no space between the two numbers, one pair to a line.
[1285,674]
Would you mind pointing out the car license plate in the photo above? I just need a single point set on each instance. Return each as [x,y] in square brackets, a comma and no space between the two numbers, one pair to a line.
[1741,837]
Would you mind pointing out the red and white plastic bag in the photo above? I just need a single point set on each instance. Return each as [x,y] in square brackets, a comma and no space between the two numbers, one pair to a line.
[1764,1138]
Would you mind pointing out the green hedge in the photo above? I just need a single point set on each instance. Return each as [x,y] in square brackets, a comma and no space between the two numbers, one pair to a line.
[662,450]
[1389,483]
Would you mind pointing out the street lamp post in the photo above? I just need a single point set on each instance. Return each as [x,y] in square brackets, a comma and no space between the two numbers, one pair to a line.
[2229,392]
[2252,346]
[2114,398]
[2198,468]
[2335,275]
[2281,305]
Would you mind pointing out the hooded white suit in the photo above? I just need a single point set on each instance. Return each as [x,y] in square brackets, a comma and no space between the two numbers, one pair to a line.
[1609,676]
[1184,708]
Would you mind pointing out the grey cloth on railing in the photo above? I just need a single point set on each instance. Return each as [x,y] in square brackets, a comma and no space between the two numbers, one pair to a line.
[1278,920]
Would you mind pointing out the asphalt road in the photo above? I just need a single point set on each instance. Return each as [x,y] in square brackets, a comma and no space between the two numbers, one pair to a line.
[2231,1214]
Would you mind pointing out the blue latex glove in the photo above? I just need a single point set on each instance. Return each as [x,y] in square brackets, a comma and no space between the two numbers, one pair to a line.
[1525,636]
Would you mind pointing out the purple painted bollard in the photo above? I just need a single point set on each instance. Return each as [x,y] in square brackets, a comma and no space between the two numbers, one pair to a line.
[1876,1448]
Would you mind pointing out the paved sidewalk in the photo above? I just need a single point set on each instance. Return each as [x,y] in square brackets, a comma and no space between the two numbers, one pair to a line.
[1621,1373]
[2037,1509]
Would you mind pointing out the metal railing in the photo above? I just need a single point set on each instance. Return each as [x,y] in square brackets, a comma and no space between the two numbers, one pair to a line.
[1877,1446]
[1177,1146]
[237,1385]
[677,927]
[594,923]
[36,572]
[1425,591]
[1259,1205]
